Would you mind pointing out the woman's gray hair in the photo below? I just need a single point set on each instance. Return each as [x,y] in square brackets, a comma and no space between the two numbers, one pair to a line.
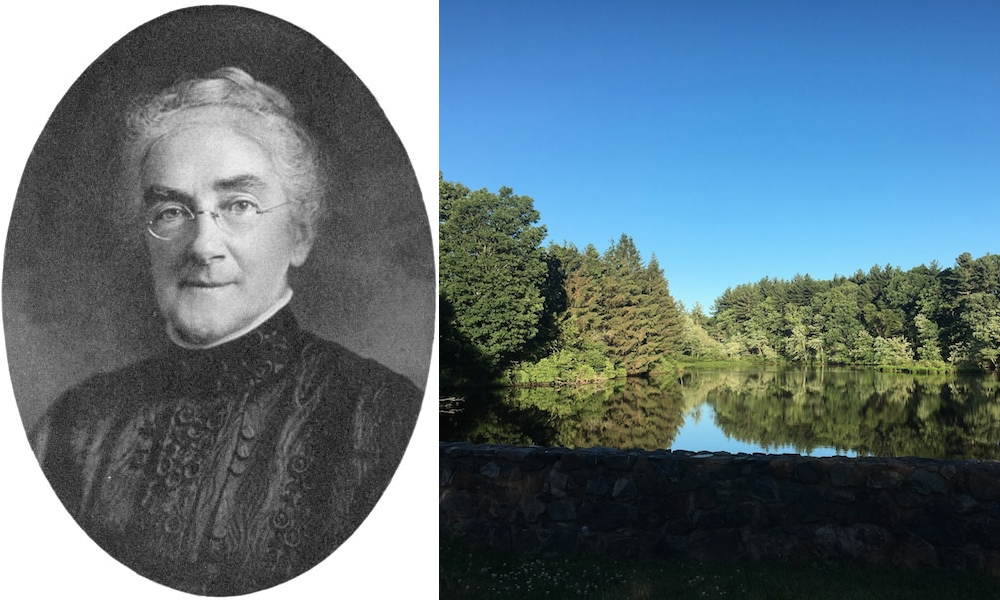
[294,153]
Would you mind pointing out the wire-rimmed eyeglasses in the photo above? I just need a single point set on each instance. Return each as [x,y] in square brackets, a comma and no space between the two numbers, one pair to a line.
[172,220]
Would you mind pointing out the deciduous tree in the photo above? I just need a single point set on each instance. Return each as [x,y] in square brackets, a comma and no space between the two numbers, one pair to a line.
[492,270]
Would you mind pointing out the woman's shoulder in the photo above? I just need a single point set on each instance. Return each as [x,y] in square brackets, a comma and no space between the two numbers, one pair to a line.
[348,368]
[88,410]
[380,404]
[109,392]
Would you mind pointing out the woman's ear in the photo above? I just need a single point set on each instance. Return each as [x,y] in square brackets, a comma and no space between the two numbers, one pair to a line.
[303,236]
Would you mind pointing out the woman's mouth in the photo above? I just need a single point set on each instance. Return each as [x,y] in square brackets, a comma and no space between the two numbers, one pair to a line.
[203,283]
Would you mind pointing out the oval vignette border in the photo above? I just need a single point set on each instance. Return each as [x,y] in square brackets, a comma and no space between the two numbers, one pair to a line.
[41,43]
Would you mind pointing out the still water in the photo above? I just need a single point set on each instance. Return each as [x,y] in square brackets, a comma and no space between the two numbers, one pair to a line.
[810,411]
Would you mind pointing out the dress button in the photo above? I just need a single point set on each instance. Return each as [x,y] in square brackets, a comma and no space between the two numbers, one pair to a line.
[191,469]
[298,464]
[243,450]
[280,519]
[172,524]
[291,537]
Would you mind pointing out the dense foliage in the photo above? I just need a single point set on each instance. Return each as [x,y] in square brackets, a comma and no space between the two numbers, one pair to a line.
[925,317]
[492,273]
[515,312]
[615,314]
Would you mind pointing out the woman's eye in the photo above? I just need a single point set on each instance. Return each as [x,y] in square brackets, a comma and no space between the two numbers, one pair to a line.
[170,214]
[241,206]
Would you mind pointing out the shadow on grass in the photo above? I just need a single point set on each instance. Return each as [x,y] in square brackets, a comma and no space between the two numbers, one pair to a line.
[478,574]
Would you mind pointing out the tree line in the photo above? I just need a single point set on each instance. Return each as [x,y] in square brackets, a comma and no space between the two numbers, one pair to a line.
[515,312]
[925,317]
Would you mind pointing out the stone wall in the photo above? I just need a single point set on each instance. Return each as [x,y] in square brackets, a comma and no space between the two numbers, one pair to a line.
[907,512]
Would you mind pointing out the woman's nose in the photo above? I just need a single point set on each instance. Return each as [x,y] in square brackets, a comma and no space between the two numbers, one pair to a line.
[206,238]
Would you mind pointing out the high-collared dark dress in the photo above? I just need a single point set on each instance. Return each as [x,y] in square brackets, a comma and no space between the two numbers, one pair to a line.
[229,470]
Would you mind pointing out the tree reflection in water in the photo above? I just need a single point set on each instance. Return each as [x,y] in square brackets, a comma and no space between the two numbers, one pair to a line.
[859,411]
[632,413]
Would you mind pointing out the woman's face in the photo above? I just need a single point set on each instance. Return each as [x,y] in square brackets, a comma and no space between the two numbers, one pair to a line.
[210,283]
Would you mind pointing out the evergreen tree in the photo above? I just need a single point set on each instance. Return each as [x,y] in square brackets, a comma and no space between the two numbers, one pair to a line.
[641,322]
[667,313]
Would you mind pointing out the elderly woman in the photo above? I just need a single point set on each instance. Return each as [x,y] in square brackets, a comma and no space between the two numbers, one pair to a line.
[251,449]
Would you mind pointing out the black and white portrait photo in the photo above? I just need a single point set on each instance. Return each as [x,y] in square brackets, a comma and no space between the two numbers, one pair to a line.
[219,299]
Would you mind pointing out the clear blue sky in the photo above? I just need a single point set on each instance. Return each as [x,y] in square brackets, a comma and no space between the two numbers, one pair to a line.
[736,140]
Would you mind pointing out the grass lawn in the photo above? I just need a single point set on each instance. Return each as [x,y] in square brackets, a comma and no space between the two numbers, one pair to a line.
[479,574]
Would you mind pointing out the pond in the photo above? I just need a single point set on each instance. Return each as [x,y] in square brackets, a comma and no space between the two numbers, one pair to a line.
[809,411]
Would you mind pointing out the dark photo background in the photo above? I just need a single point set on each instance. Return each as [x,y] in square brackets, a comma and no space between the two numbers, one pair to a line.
[76,300]
[76,295]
